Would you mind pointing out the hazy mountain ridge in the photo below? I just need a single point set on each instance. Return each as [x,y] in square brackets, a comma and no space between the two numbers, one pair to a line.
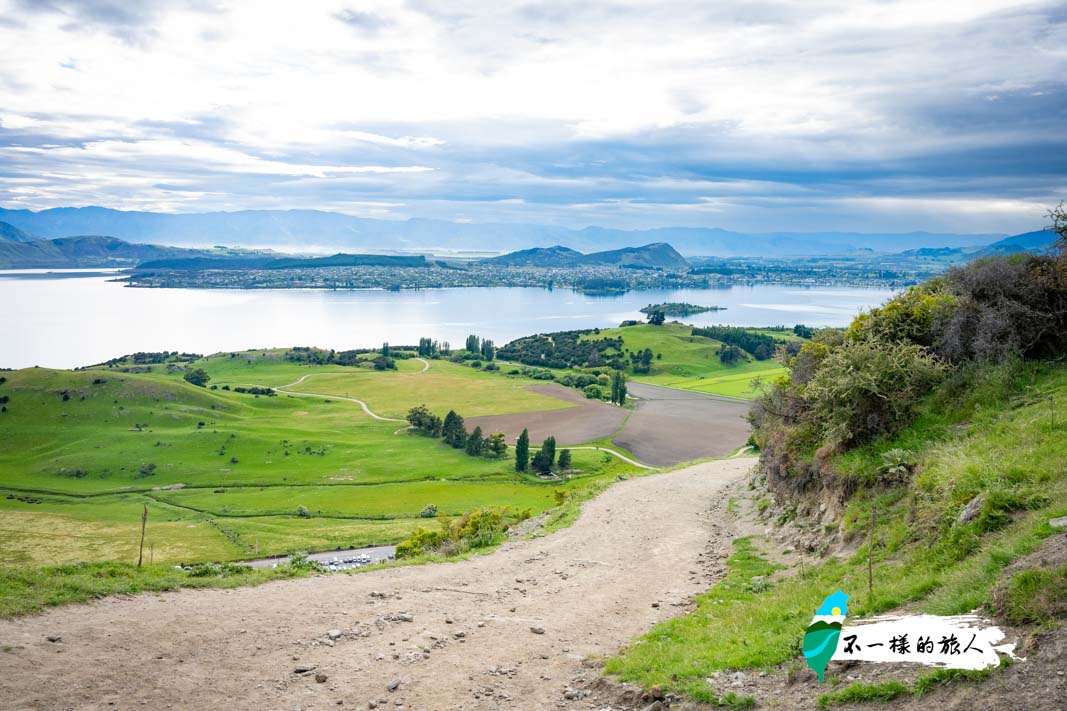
[658,255]
[10,233]
[80,252]
[306,229]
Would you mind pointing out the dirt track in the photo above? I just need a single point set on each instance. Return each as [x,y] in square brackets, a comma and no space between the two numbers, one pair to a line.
[590,588]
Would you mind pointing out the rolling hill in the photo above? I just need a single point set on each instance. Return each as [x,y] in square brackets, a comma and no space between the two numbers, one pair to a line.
[652,256]
[79,252]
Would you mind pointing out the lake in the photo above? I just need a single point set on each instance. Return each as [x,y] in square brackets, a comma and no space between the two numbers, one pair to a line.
[68,319]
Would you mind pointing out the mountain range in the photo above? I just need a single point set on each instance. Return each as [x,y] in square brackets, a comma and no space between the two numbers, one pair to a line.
[313,230]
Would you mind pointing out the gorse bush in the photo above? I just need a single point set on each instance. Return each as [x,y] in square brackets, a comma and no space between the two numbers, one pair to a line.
[949,338]
[477,529]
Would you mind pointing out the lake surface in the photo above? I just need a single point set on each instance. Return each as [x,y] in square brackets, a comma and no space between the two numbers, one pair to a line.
[66,320]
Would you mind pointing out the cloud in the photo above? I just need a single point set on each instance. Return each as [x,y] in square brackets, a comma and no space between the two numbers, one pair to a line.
[847,114]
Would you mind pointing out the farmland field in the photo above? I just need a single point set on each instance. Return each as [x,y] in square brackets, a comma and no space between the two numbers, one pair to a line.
[228,475]
[692,362]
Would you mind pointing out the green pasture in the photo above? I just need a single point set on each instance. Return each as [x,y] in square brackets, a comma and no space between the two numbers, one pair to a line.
[223,473]
[446,386]
[692,362]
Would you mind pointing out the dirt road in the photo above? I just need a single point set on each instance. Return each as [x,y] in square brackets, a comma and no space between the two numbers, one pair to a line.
[507,630]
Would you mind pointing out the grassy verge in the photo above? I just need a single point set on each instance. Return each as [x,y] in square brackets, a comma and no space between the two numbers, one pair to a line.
[28,590]
[1009,452]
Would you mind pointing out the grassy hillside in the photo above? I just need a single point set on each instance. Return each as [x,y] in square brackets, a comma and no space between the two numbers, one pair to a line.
[929,439]
[997,440]
[692,362]
[223,473]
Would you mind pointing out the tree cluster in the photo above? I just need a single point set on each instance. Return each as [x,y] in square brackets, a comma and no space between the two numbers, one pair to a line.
[453,431]
[759,345]
[563,349]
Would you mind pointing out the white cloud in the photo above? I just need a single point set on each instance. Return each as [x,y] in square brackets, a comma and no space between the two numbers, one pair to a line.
[493,95]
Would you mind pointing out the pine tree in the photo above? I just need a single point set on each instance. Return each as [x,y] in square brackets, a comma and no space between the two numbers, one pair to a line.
[549,446]
[522,452]
[454,431]
[618,388]
[564,459]
[546,456]
[475,443]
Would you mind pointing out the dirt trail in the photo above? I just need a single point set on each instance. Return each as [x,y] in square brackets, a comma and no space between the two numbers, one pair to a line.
[587,590]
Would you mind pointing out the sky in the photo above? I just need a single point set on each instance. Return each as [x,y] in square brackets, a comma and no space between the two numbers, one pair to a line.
[757,115]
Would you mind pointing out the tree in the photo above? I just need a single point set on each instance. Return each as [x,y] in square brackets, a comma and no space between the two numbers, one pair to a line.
[656,317]
[564,459]
[473,344]
[454,431]
[496,445]
[522,451]
[488,350]
[384,363]
[385,350]
[594,358]
[730,354]
[476,443]
[424,422]
[546,456]
[197,377]
[1058,215]
[618,388]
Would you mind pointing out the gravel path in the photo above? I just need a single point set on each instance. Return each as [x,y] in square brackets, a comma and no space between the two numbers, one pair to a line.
[501,631]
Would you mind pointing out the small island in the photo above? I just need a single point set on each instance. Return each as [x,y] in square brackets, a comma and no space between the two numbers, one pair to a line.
[680,309]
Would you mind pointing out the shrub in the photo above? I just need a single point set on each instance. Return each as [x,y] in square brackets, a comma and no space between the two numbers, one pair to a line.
[197,377]
[870,388]
[302,511]
[429,511]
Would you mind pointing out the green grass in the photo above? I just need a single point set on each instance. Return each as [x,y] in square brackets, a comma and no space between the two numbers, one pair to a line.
[923,556]
[692,362]
[29,590]
[76,472]
[860,692]
[446,386]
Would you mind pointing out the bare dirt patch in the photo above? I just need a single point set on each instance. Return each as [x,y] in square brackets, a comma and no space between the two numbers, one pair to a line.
[671,426]
[502,631]
[589,420]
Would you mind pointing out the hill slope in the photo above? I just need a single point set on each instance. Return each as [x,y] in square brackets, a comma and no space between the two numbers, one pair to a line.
[10,233]
[658,255]
[75,252]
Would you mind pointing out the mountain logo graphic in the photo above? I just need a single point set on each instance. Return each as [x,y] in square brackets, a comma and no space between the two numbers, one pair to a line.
[820,639]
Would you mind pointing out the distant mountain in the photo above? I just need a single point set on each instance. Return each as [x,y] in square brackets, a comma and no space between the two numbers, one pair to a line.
[652,256]
[1038,241]
[10,233]
[81,252]
[303,230]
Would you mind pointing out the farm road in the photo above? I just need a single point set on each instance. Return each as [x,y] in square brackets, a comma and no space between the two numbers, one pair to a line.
[502,631]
